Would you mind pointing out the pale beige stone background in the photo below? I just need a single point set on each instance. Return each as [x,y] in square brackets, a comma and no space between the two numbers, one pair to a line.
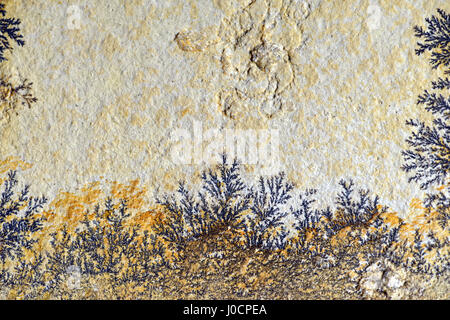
[336,81]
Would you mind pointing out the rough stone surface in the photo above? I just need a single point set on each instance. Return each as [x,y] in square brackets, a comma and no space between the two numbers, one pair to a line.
[116,79]
[384,280]
[338,79]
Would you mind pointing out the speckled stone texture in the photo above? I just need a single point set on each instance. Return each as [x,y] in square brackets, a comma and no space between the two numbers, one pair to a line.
[115,79]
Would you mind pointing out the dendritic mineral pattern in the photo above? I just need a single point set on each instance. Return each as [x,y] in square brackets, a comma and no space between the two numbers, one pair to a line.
[209,149]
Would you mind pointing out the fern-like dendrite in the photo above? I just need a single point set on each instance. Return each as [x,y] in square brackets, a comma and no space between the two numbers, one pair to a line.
[436,38]
[9,30]
[428,155]
[18,219]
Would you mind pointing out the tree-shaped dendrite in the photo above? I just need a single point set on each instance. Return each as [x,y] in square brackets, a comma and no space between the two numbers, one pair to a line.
[428,155]
[9,30]
[19,220]
[436,39]
[221,203]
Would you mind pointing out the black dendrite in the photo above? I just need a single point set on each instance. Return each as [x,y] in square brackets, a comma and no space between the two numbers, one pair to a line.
[18,218]
[436,38]
[427,158]
[9,30]
[264,227]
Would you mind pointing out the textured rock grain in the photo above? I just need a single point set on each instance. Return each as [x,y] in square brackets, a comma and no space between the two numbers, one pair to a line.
[337,78]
